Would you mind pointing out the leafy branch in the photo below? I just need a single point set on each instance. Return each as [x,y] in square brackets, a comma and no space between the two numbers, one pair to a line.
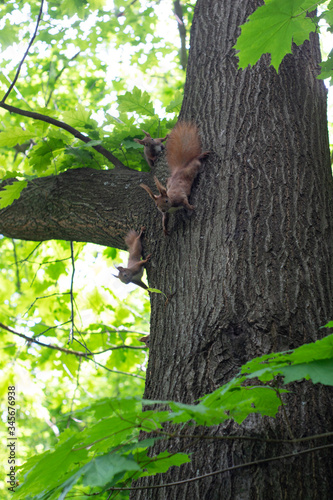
[71,333]
[25,54]
[47,119]
[114,437]
[59,75]
[227,469]
[57,123]
[80,354]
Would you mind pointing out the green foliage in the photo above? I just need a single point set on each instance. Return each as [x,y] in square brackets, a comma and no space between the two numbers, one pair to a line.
[35,300]
[11,192]
[67,76]
[311,361]
[274,26]
[107,453]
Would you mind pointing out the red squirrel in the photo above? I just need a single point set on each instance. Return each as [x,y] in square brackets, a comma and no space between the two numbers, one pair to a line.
[183,153]
[134,270]
[152,147]
[145,339]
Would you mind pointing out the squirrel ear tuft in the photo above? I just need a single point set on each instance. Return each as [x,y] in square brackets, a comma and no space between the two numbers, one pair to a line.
[149,191]
[160,187]
[146,133]
[140,141]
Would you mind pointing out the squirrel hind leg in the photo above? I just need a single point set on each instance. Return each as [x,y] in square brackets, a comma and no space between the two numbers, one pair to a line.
[187,204]
[142,230]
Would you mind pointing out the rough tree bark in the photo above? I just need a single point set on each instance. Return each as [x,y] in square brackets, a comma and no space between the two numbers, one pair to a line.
[250,270]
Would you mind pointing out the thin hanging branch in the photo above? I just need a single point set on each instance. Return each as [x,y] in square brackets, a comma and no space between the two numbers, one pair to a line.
[71,333]
[227,469]
[25,54]
[33,340]
[18,279]
[178,11]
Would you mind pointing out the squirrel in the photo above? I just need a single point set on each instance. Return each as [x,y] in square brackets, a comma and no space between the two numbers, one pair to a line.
[145,339]
[183,153]
[134,270]
[152,147]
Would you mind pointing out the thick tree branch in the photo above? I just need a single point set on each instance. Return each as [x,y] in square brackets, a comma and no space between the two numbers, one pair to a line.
[57,123]
[79,205]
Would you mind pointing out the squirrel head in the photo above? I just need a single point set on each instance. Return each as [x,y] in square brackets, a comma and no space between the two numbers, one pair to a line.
[162,200]
[150,141]
[124,275]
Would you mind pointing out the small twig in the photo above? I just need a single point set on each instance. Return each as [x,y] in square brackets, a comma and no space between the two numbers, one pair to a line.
[116,371]
[25,54]
[126,8]
[59,75]
[26,258]
[277,392]
[76,388]
[50,328]
[182,33]
[43,297]
[71,333]
[296,454]
[32,340]
[18,281]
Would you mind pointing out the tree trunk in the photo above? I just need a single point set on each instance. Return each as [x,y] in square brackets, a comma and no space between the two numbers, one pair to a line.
[251,270]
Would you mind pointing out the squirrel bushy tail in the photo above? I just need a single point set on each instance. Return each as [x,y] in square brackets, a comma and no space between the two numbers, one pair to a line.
[130,238]
[183,145]
[183,156]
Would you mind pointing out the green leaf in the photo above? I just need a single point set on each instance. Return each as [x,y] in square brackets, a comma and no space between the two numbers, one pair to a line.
[318,371]
[78,118]
[328,325]
[43,155]
[72,7]
[307,361]
[56,464]
[101,470]
[155,290]
[11,192]
[163,461]
[272,28]
[176,103]
[15,135]
[136,101]
[327,68]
